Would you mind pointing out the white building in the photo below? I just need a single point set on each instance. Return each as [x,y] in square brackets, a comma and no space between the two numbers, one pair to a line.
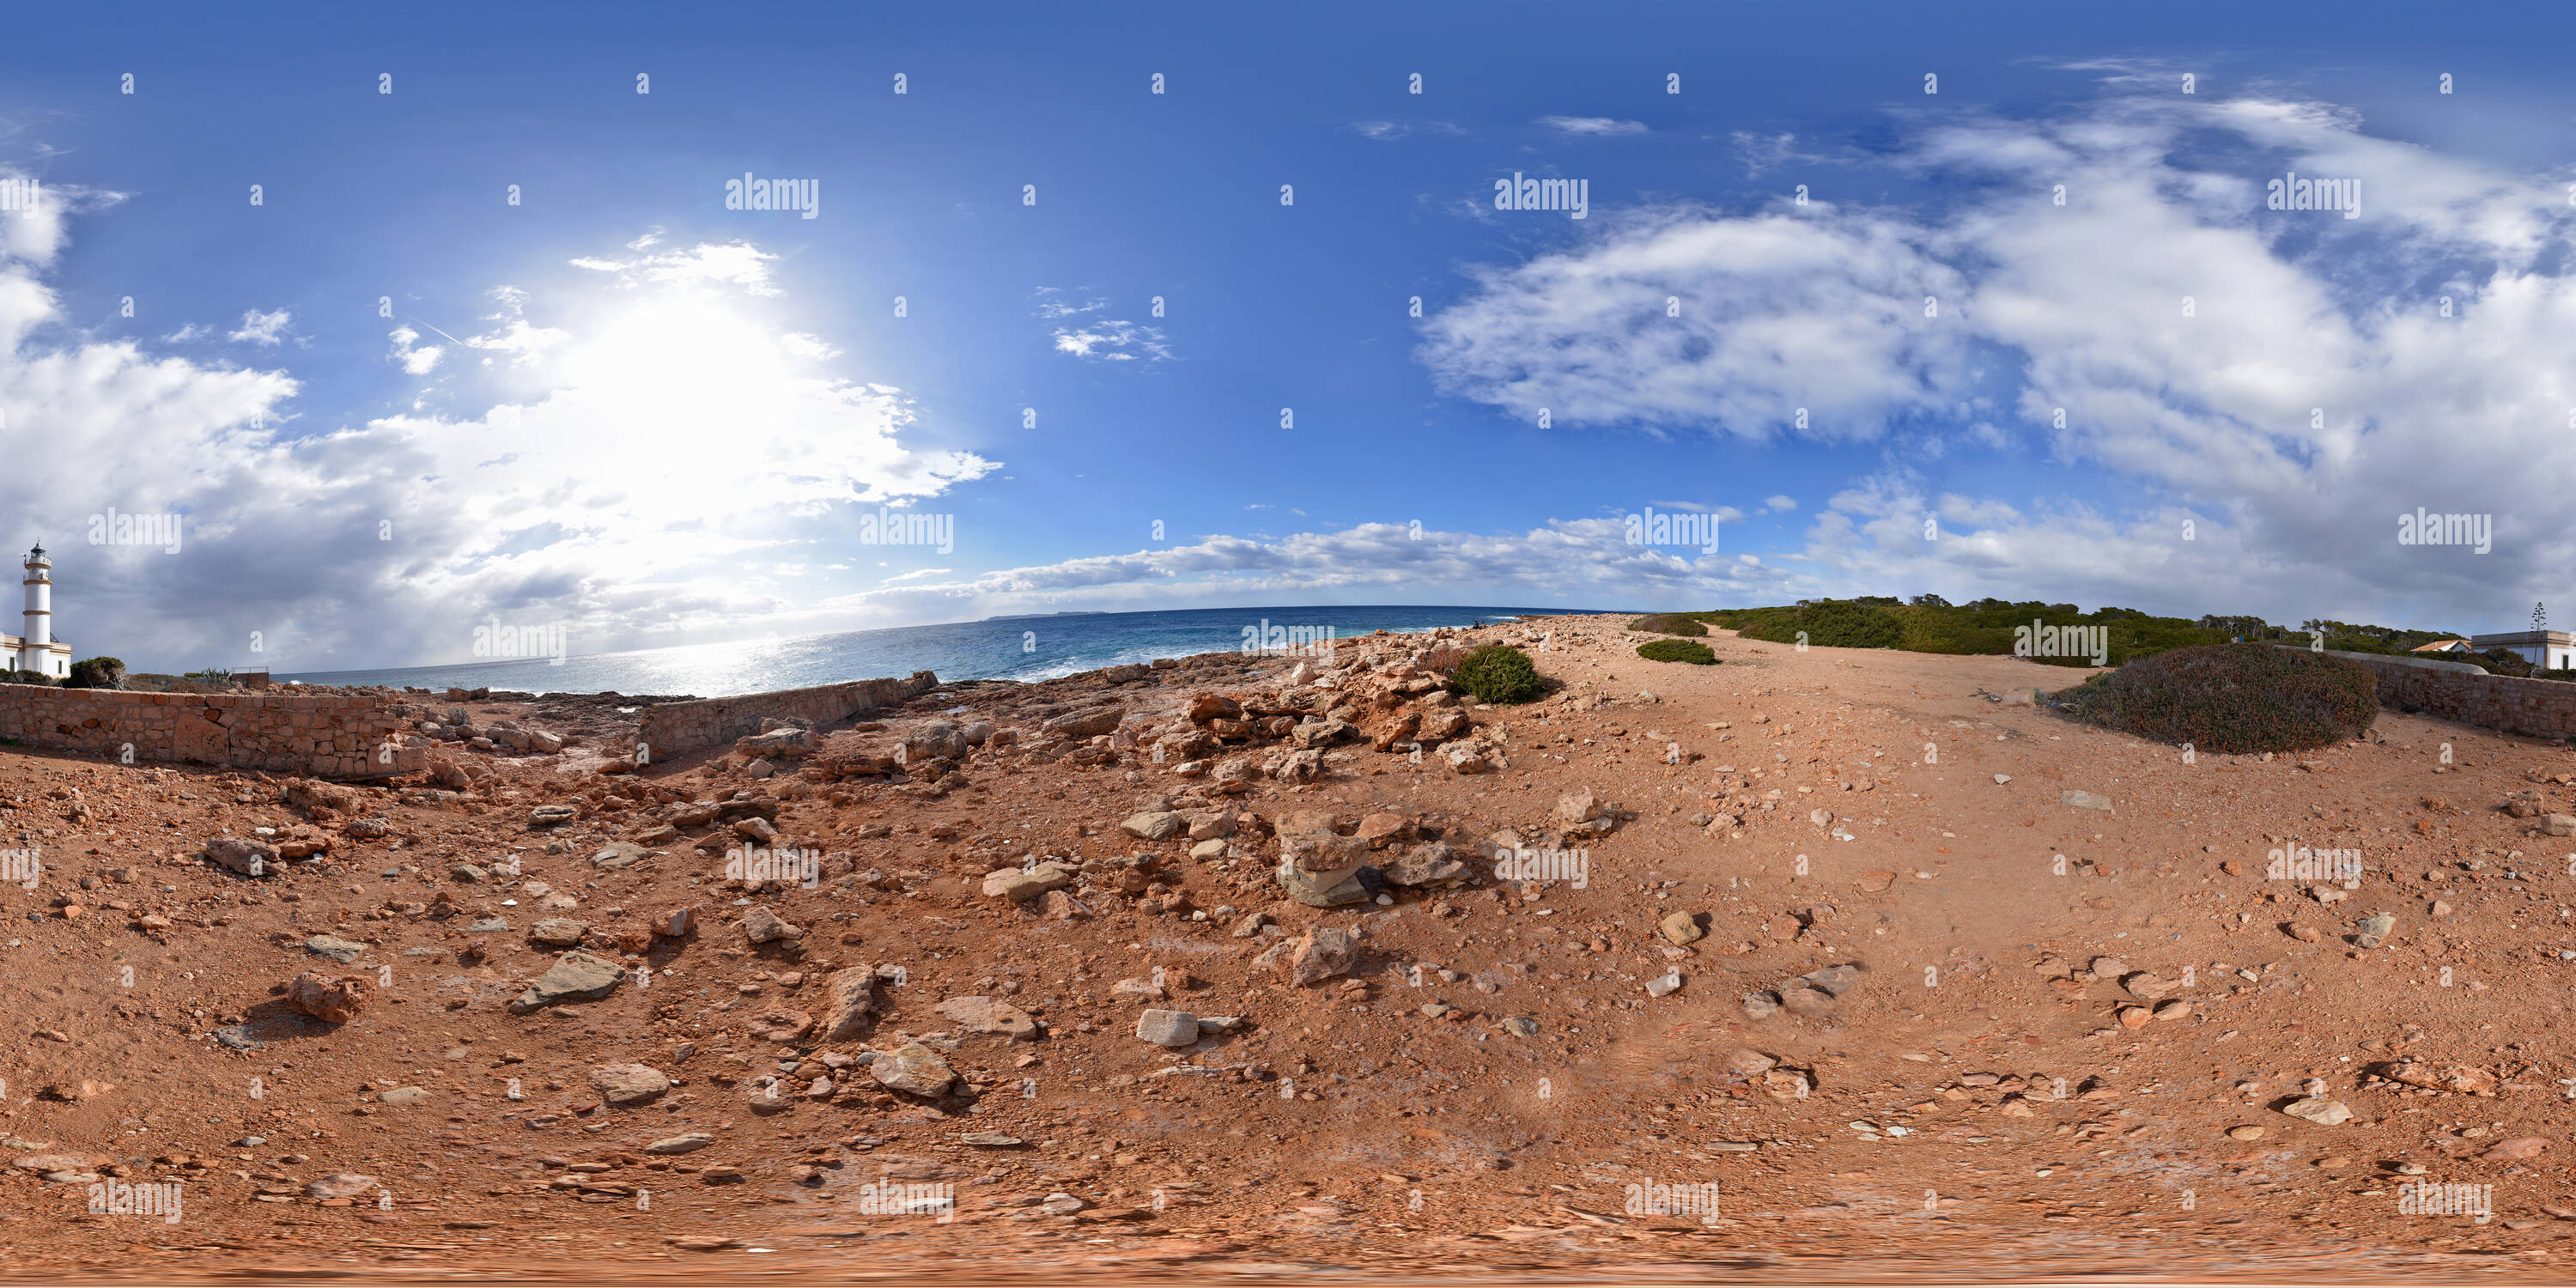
[37,650]
[2548,650]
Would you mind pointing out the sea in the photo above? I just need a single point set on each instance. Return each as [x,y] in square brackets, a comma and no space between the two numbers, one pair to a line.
[997,648]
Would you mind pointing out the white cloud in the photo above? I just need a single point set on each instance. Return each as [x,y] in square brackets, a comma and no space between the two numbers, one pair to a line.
[262,328]
[669,437]
[526,345]
[1576,562]
[918,572]
[2314,392]
[1780,503]
[1770,304]
[1113,341]
[1592,125]
[188,332]
[416,358]
[1387,130]
[1103,339]
[813,348]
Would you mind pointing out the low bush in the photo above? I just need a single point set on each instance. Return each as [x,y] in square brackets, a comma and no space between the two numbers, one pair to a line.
[1668,624]
[1498,673]
[1677,651]
[2232,698]
[1826,623]
[96,673]
[26,677]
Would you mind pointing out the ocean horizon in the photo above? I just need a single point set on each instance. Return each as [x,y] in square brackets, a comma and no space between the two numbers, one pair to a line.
[1022,647]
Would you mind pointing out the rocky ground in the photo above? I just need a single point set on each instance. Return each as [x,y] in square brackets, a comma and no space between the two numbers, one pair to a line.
[1810,963]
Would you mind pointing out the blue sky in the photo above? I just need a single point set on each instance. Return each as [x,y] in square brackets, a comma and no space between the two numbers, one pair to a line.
[621,407]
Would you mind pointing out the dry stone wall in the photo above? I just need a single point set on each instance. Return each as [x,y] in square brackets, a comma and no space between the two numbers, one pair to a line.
[337,735]
[2458,691]
[677,728]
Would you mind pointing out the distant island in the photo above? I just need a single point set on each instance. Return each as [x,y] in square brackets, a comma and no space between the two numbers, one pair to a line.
[1031,617]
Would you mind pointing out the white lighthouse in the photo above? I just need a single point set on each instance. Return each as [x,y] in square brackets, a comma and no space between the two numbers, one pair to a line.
[36,649]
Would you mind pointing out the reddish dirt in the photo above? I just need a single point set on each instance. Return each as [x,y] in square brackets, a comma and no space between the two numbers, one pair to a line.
[1970,1104]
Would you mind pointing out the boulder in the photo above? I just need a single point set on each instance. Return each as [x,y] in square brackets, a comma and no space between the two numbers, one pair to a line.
[625,1085]
[2461,1078]
[332,1000]
[1321,954]
[319,797]
[990,1015]
[1154,825]
[914,1069]
[558,932]
[1085,724]
[762,926]
[1681,928]
[1168,1028]
[1017,884]
[574,977]
[337,949]
[777,744]
[849,1002]
[1430,864]
[2319,1110]
[1322,852]
[242,854]
[1212,706]
[1383,830]
[937,740]
[339,1185]
[1322,889]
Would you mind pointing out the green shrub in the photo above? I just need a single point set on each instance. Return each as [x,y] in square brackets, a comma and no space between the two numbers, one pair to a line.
[2498,661]
[1498,673]
[211,675]
[1668,624]
[2232,698]
[1826,623]
[26,677]
[1677,651]
[96,673]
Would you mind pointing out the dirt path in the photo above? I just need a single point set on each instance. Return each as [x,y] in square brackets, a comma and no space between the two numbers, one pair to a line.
[1980,1093]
